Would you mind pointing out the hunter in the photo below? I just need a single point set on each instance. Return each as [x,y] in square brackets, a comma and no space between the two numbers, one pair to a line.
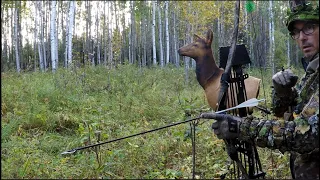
[297,103]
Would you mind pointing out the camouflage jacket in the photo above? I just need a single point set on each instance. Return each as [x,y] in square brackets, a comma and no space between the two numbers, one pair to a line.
[302,133]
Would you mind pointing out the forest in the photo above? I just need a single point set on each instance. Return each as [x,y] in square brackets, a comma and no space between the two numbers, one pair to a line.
[47,35]
[75,73]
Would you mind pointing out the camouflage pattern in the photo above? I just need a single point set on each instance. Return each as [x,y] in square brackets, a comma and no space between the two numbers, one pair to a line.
[303,11]
[301,135]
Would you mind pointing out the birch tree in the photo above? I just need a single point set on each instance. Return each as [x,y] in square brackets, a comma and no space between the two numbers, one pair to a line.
[175,35]
[4,37]
[53,29]
[160,35]
[167,31]
[38,32]
[154,57]
[97,32]
[144,37]
[133,33]
[188,40]
[69,27]
[271,37]
[110,57]
[43,29]
[16,35]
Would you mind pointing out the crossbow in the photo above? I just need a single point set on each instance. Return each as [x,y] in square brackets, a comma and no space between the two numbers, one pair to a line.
[246,161]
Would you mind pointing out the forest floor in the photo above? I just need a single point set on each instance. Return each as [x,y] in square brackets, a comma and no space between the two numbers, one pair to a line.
[45,114]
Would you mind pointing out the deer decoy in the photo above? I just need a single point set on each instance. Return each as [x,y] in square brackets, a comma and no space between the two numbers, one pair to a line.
[209,74]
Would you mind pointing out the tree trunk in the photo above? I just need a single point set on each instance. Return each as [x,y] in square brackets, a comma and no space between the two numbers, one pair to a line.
[104,35]
[133,34]
[72,8]
[271,38]
[154,57]
[52,35]
[35,37]
[130,38]
[110,57]
[160,35]
[221,25]
[167,31]
[144,42]
[39,29]
[16,35]
[97,33]
[188,39]
[67,39]
[176,36]
[3,34]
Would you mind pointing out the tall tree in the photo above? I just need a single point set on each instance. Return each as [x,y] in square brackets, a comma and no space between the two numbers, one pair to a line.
[133,33]
[110,57]
[176,56]
[17,33]
[271,38]
[70,25]
[53,29]
[154,57]
[188,40]
[97,32]
[39,31]
[167,32]
[43,29]
[104,34]
[160,35]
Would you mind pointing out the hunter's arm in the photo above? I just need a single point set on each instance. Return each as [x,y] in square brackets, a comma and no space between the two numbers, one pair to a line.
[300,135]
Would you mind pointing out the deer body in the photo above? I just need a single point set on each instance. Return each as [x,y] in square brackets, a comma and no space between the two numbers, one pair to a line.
[209,74]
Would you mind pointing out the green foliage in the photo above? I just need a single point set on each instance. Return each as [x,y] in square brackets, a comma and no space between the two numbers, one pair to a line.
[44,114]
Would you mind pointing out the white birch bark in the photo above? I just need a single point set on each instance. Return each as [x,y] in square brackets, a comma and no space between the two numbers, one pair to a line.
[133,34]
[221,25]
[154,53]
[110,57]
[43,29]
[130,37]
[271,36]
[104,35]
[144,38]
[160,35]
[97,32]
[16,39]
[130,45]
[176,41]
[167,31]
[40,36]
[67,40]
[188,40]
[72,9]
[52,35]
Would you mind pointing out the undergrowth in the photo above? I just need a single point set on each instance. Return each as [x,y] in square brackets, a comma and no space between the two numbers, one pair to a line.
[44,114]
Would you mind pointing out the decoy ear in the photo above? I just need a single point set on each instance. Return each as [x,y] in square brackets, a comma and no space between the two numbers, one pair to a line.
[209,37]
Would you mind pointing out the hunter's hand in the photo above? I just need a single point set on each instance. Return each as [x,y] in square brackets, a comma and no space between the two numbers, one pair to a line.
[226,126]
[283,81]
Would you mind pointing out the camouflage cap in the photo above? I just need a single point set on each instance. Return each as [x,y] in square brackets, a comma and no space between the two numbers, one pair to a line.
[301,11]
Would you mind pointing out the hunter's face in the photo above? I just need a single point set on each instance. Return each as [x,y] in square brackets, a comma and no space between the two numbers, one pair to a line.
[307,41]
